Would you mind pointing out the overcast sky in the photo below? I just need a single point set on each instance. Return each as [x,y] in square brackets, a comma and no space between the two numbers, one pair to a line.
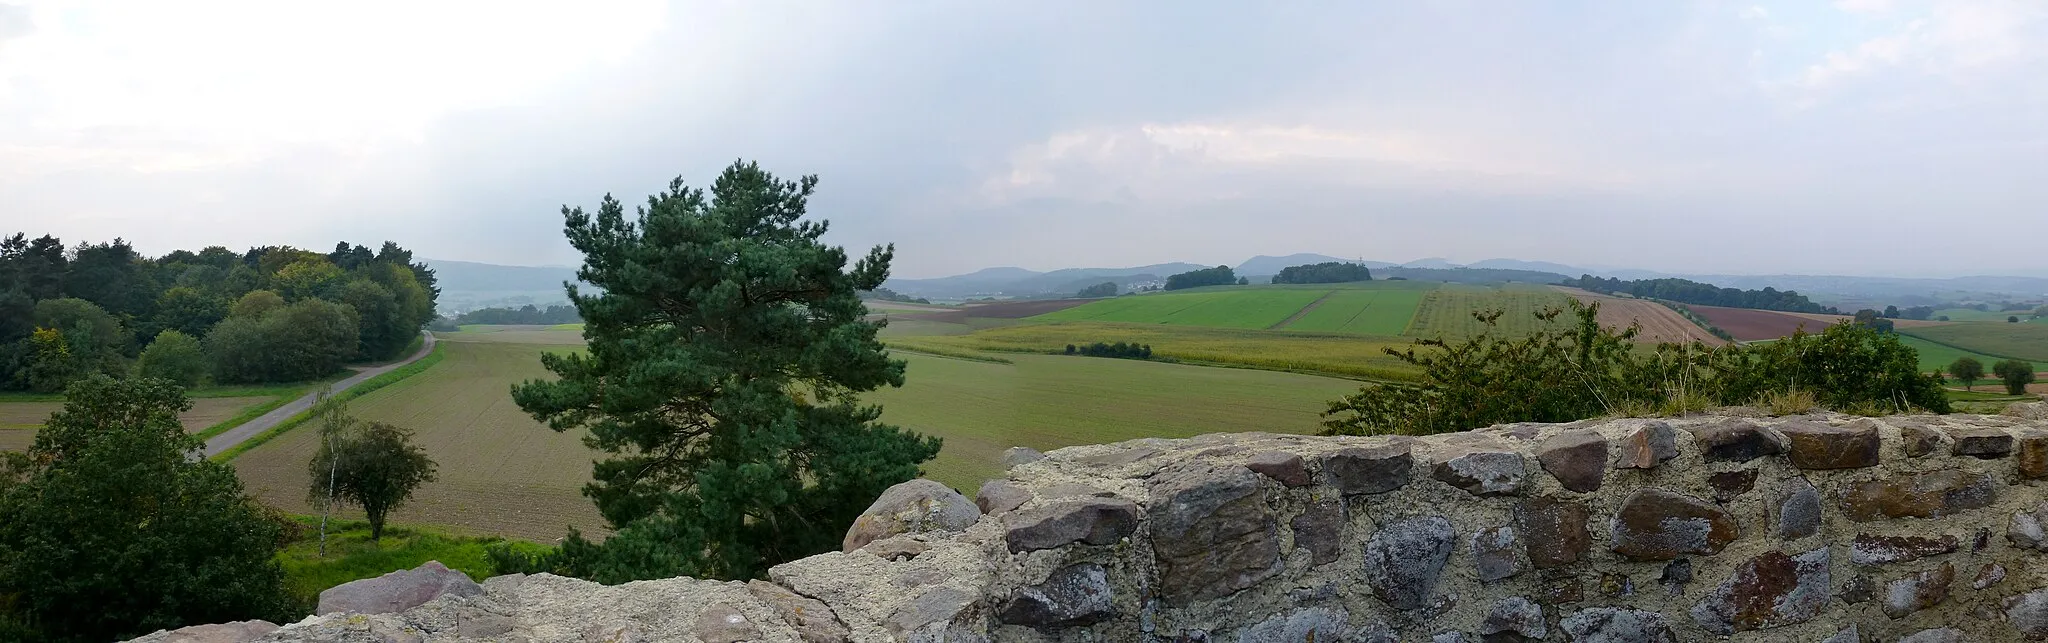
[1859,137]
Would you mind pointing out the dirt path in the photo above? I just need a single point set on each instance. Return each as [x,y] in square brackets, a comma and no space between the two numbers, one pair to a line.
[231,437]
[1301,313]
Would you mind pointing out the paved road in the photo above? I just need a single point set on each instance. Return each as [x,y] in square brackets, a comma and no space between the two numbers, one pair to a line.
[230,438]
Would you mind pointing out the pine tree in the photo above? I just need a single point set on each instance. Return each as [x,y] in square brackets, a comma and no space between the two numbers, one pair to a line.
[727,348]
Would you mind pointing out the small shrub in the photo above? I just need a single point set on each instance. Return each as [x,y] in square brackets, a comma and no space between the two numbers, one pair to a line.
[1792,402]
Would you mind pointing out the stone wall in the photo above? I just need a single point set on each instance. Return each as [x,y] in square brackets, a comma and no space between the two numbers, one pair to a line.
[1817,528]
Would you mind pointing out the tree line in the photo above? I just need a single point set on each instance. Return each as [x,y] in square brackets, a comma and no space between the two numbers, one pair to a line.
[1217,276]
[1687,291]
[523,315]
[1329,272]
[269,314]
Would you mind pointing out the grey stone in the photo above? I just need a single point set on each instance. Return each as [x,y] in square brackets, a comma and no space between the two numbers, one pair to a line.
[1676,574]
[998,496]
[236,632]
[1120,457]
[397,591]
[897,548]
[930,615]
[1497,553]
[1483,473]
[1452,636]
[1989,575]
[814,621]
[1914,592]
[1312,624]
[1845,636]
[1769,590]
[1648,446]
[1284,467]
[1320,530]
[1361,470]
[479,624]
[1736,440]
[1658,524]
[2029,529]
[720,623]
[1578,459]
[912,507]
[1403,560]
[1514,615]
[1014,456]
[2028,613]
[1937,635]
[1617,625]
[1073,595]
[1868,550]
[1073,490]
[1799,509]
[1985,443]
[1095,521]
[1858,589]
[1212,533]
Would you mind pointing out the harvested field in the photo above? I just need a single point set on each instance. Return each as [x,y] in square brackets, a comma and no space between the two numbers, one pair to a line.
[1328,353]
[1660,323]
[500,471]
[1239,307]
[1748,325]
[18,420]
[1896,323]
[549,335]
[997,310]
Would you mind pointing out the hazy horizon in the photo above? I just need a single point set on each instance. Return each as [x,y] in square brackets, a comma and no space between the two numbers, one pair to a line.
[1861,137]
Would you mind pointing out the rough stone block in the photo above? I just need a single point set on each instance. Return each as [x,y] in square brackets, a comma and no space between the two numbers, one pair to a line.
[1312,624]
[1072,595]
[1094,521]
[1497,553]
[1729,485]
[1824,446]
[1770,590]
[999,496]
[1987,443]
[720,623]
[1403,560]
[1514,615]
[1320,530]
[2028,613]
[1554,530]
[815,622]
[1014,456]
[912,507]
[1920,439]
[1915,592]
[1658,524]
[397,591]
[1617,625]
[1987,576]
[2029,529]
[1647,446]
[1212,533]
[236,632]
[1578,459]
[1799,510]
[1870,550]
[2033,455]
[1363,470]
[1482,473]
[1735,440]
[1278,465]
[1931,494]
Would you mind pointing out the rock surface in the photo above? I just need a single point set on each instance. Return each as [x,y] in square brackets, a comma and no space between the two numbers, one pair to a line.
[1822,446]
[1648,446]
[1770,590]
[1483,473]
[913,507]
[1091,521]
[1212,533]
[1404,560]
[1658,524]
[1578,459]
[1357,471]
[397,591]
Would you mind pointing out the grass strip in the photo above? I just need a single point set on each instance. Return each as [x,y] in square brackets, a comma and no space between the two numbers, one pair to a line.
[351,555]
[359,390]
[942,351]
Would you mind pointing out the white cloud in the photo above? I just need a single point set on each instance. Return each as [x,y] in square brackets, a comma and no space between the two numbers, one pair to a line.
[1954,39]
[1865,7]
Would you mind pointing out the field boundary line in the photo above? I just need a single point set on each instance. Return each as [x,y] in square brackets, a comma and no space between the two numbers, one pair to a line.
[1303,312]
[229,447]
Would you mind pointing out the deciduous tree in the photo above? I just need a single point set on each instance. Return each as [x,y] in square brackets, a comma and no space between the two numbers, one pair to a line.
[173,356]
[1967,369]
[2016,374]
[371,465]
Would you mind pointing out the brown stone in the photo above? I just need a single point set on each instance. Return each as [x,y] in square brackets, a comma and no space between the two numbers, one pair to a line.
[1658,524]
[2033,455]
[1729,485]
[1553,530]
[1858,589]
[1648,446]
[1987,443]
[1770,590]
[1094,521]
[1578,459]
[1824,446]
[1989,575]
[1867,549]
[1920,439]
[1367,470]
[1284,467]
[1563,589]
[1212,533]
[1497,553]
[1735,440]
[1320,529]
[1915,592]
[1918,495]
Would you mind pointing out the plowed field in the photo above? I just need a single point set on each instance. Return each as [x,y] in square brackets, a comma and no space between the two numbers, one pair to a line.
[1660,322]
[1747,325]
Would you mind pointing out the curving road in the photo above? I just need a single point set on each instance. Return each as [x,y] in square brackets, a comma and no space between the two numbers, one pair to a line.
[231,437]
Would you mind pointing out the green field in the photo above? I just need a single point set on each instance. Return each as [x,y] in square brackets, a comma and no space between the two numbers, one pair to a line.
[1285,350]
[502,473]
[1246,307]
[1974,315]
[1936,356]
[1447,311]
[1367,312]
[2001,339]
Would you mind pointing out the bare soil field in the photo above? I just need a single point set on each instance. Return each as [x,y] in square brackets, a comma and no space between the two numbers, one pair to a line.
[1897,323]
[1748,325]
[998,310]
[18,420]
[1660,323]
